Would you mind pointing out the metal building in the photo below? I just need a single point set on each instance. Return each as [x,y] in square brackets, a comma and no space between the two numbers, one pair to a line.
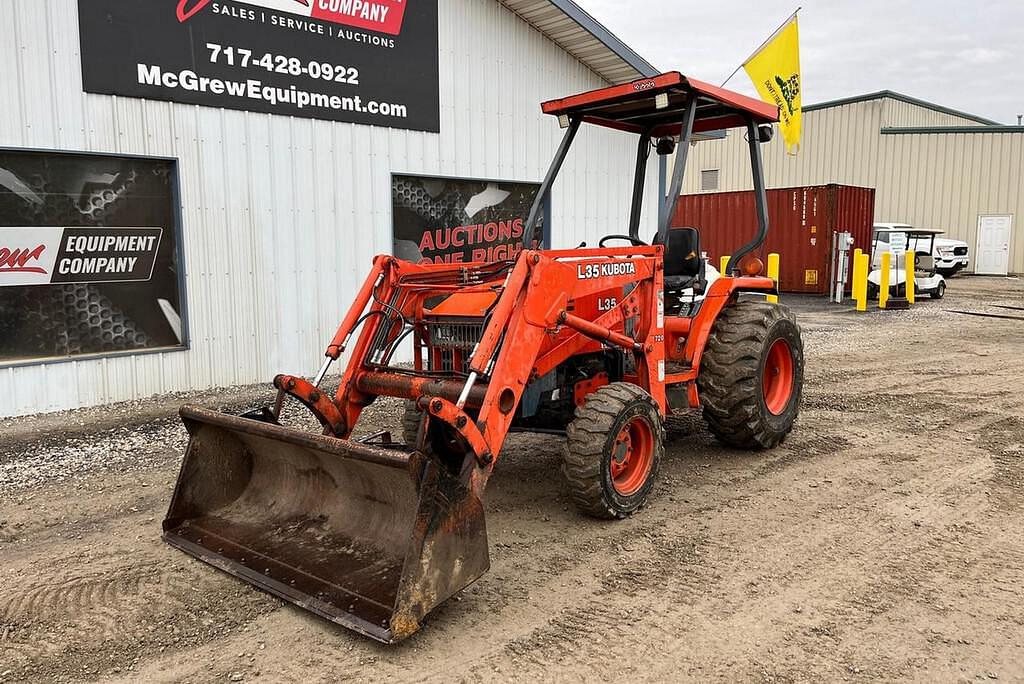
[280,216]
[932,167]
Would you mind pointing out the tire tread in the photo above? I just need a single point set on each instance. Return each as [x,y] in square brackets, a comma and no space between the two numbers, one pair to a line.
[584,452]
[729,381]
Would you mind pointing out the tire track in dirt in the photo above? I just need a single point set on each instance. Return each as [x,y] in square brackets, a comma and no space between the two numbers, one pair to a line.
[115,607]
[1003,439]
[841,569]
[77,596]
[92,607]
[864,553]
[560,635]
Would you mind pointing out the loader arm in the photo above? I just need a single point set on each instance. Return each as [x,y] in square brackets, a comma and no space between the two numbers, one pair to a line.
[536,307]
[541,325]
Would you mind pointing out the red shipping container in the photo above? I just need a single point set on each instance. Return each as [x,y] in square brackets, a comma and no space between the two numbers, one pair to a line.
[801,224]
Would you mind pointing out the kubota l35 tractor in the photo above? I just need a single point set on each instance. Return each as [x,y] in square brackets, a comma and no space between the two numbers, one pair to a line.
[601,343]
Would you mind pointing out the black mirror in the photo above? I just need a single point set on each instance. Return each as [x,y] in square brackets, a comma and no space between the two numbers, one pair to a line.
[765,133]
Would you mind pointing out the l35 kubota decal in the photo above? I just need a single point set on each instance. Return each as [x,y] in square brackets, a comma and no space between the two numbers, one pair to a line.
[384,16]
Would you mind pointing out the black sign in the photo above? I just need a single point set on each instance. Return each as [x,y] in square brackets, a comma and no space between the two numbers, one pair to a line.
[363,61]
[455,220]
[88,255]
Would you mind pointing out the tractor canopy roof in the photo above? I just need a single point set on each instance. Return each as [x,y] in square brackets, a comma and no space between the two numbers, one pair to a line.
[635,107]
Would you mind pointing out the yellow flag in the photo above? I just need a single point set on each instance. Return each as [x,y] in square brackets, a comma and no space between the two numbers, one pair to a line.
[775,71]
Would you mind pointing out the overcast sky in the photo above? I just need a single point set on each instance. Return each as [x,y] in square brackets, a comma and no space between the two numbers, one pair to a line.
[968,55]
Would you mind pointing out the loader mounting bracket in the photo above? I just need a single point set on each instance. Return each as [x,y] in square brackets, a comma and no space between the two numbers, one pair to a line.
[448,412]
[319,403]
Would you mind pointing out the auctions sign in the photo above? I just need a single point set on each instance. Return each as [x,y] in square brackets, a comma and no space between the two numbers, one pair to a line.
[47,255]
[457,220]
[362,61]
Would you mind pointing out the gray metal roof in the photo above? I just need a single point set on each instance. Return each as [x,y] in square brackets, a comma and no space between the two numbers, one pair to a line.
[579,34]
[893,95]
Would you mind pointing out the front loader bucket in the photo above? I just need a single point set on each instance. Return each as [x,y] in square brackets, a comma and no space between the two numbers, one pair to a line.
[369,538]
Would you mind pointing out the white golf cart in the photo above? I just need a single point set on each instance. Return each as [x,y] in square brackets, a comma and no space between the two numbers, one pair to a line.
[927,281]
[951,256]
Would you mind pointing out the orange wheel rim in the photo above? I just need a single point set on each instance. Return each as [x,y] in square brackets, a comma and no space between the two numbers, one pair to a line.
[777,379]
[632,456]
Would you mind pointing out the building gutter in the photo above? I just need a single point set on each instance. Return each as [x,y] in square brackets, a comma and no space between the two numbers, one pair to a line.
[922,130]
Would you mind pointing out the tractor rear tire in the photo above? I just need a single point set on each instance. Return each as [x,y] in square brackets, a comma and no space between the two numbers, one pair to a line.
[751,375]
[613,451]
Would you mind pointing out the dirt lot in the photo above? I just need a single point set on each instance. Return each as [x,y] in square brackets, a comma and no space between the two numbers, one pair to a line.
[883,540]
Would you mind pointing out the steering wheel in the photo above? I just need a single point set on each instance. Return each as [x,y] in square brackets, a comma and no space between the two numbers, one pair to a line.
[632,240]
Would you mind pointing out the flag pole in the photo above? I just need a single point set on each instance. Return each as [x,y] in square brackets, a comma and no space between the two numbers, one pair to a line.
[761,46]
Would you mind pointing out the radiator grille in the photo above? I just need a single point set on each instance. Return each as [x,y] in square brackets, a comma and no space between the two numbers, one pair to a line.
[451,342]
[960,251]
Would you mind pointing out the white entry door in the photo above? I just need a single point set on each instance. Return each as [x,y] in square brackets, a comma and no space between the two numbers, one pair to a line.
[993,255]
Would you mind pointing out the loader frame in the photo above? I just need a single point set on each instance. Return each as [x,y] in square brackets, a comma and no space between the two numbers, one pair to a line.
[536,294]
[534,309]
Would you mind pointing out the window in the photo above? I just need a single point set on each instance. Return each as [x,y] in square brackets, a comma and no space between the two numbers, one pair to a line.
[89,256]
[709,180]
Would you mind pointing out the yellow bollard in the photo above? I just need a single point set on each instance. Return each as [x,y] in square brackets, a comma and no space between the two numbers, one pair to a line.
[909,266]
[855,277]
[854,291]
[883,287]
[860,281]
[773,273]
[724,263]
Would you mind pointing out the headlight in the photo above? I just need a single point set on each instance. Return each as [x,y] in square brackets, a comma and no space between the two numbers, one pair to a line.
[945,252]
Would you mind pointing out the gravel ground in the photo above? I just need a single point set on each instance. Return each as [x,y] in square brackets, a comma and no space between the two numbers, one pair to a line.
[882,541]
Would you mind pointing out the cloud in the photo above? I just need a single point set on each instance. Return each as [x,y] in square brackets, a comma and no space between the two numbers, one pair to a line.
[980,56]
[958,54]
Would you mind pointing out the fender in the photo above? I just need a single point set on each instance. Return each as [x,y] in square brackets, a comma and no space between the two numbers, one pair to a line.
[719,295]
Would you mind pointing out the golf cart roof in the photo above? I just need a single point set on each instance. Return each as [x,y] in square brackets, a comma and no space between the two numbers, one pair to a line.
[633,107]
[909,230]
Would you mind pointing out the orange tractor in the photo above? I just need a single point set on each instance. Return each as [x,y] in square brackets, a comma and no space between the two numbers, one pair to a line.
[599,343]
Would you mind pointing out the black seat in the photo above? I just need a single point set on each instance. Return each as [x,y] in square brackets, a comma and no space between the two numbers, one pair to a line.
[684,266]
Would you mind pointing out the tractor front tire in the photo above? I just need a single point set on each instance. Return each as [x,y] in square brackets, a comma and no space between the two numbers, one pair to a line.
[613,451]
[751,375]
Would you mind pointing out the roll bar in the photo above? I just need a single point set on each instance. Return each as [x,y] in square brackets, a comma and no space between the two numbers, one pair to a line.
[661,107]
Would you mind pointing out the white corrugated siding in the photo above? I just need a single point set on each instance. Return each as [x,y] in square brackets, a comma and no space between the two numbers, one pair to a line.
[931,180]
[282,216]
[833,146]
